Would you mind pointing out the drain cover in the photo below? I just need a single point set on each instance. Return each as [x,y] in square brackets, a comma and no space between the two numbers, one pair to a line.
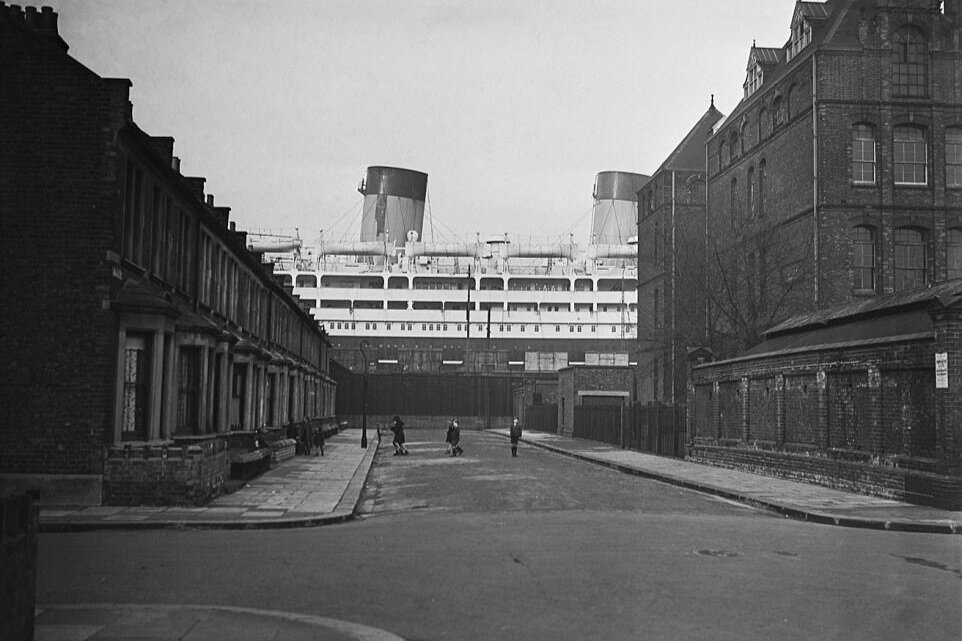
[724,554]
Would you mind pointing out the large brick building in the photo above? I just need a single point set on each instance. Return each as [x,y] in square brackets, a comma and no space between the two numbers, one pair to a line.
[834,241]
[671,249]
[138,334]
[839,174]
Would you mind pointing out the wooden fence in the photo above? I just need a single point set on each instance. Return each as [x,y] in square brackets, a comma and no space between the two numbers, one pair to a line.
[541,418]
[646,427]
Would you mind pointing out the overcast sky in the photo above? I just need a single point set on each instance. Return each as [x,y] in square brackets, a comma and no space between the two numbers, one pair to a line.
[511,108]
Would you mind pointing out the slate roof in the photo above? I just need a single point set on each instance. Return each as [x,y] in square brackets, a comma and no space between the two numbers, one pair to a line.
[690,152]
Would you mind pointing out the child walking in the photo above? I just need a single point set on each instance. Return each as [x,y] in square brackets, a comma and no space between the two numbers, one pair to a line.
[454,438]
[515,434]
[398,428]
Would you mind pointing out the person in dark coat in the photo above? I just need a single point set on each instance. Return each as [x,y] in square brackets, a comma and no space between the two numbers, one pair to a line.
[319,441]
[454,438]
[515,434]
[447,436]
[398,428]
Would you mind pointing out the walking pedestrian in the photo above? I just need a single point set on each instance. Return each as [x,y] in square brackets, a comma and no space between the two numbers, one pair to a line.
[447,436]
[319,441]
[454,438]
[398,428]
[304,440]
[515,434]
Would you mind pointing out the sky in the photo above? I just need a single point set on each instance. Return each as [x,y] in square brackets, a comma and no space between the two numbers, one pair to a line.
[511,108]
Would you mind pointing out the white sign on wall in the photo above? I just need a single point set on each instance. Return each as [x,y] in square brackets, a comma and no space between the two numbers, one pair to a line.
[942,370]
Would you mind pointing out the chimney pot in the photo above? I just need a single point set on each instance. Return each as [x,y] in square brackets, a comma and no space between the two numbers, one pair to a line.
[233,226]
[48,19]
[175,164]
[31,17]
[210,200]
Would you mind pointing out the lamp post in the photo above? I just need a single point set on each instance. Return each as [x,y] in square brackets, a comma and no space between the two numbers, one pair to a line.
[364,397]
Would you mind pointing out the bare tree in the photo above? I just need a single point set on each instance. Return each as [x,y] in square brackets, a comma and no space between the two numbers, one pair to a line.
[754,275]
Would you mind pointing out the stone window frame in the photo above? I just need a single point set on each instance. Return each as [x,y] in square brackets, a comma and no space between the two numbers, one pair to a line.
[909,62]
[910,255]
[733,214]
[910,152]
[862,134]
[865,267]
[953,252]
[762,117]
[158,332]
[953,157]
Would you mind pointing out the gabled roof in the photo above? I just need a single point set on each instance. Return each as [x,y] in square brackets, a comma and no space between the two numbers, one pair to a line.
[827,18]
[690,152]
[810,11]
[764,56]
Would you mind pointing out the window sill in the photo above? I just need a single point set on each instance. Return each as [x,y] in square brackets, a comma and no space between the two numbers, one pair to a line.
[910,185]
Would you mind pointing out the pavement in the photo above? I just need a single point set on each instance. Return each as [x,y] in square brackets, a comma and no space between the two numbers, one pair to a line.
[793,499]
[309,491]
[302,491]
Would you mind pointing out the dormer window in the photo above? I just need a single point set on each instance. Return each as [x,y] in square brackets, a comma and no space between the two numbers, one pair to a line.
[801,36]
[753,80]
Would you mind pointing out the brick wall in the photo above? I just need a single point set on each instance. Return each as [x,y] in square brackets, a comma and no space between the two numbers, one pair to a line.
[801,410]
[189,473]
[56,185]
[864,416]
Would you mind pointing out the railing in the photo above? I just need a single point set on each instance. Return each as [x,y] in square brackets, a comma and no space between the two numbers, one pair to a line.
[646,427]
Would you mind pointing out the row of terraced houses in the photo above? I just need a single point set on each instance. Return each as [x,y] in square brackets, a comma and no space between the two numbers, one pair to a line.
[141,344]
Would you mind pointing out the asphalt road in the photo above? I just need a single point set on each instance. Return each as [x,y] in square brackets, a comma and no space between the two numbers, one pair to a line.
[485,546]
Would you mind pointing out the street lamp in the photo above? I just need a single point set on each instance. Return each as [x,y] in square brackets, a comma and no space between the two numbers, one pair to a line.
[364,397]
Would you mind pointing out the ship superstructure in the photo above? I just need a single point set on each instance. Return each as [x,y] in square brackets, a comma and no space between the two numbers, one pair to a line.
[540,306]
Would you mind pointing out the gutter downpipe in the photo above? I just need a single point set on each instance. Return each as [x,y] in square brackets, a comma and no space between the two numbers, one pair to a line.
[704,283]
[674,293]
[815,187]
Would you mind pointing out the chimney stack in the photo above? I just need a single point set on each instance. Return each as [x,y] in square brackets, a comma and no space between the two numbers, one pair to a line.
[43,22]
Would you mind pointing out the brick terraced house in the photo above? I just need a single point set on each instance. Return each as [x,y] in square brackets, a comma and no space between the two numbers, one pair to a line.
[834,256]
[139,339]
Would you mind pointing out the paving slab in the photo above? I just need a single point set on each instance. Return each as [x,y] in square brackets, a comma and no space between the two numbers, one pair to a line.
[794,499]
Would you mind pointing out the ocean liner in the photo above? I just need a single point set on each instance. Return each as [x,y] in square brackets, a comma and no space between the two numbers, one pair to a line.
[403,303]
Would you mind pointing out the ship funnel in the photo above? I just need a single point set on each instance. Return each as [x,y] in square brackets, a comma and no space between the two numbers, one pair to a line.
[393,204]
[613,217]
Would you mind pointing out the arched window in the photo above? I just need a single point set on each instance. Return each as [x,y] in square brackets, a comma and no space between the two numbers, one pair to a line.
[734,203]
[863,154]
[761,188]
[909,62]
[776,112]
[762,123]
[744,136]
[863,258]
[656,310]
[750,192]
[722,154]
[953,253]
[910,156]
[953,157]
[733,145]
[790,106]
[910,259]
